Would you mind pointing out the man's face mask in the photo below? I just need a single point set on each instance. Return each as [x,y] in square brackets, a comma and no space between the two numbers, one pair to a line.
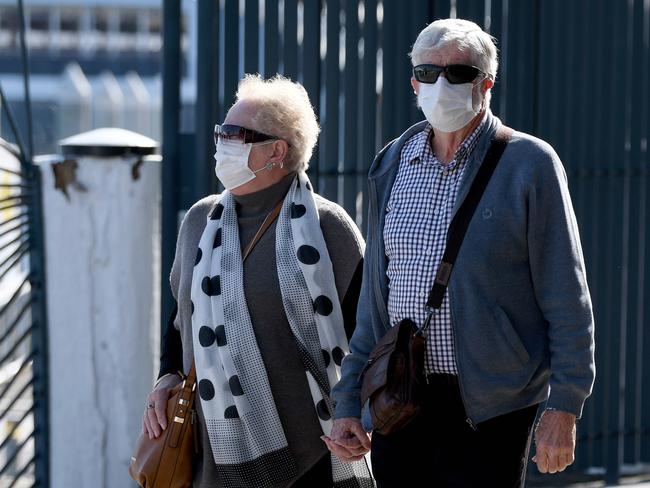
[447,102]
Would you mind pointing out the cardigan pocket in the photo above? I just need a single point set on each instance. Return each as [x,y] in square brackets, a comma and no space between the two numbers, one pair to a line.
[509,333]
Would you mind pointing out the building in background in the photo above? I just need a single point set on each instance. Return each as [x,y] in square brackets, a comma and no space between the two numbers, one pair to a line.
[93,63]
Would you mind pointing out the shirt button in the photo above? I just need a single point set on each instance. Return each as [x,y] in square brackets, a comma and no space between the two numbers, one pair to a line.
[422,294]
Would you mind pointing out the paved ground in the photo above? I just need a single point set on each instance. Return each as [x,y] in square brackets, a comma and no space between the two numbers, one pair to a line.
[627,482]
[630,484]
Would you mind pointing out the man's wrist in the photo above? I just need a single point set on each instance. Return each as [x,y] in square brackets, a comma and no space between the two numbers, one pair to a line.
[553,409]
[557,410]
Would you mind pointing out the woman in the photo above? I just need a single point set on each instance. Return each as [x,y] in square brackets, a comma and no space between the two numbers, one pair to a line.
[266,278]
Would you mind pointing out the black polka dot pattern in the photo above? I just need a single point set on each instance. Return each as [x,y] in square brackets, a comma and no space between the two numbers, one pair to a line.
[297,210]
[220,332]
[206,336]
[211,286]
[308,254]
[217,212]
[231,412]
[206,389]
[326,357]
[235,386]
[318,301]
[338,355]
[217,239]
[205,286]
[323,412]
[323,305]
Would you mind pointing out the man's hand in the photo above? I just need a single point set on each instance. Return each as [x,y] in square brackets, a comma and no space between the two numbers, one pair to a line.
[555,441]
[348,441]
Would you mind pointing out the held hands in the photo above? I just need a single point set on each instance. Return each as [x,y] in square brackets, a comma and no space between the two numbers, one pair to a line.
[348,441]
[555,440]
[154,420]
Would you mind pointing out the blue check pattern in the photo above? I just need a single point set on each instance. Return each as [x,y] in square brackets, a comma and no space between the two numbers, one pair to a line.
[418,215]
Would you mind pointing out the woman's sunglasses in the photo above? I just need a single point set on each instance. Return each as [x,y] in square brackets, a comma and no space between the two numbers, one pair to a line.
[230,132]
[455,73]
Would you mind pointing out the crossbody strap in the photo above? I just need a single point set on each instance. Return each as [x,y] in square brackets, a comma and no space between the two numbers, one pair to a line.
[461,220]
[270,218]
[191,377]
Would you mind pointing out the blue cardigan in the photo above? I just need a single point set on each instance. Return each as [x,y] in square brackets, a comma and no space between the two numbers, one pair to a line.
[520,305]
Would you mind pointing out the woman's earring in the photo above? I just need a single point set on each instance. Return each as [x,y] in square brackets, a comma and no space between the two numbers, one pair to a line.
[281,164]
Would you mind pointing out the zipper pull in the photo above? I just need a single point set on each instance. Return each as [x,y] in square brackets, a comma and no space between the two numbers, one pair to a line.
[365,368]
[470,423]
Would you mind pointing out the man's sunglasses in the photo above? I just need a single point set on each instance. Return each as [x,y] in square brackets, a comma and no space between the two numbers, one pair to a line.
[230,132]
[455,73]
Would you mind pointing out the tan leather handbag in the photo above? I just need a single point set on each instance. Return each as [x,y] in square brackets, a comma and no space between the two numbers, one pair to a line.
[166,461]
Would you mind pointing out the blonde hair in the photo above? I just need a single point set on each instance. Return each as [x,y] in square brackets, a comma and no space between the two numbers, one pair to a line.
[283,109]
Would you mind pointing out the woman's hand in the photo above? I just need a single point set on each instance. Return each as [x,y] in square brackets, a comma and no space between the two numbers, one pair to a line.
[348,441]
[154,420]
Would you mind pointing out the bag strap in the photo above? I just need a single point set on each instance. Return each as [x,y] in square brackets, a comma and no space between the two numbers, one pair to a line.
[268,220]
[461,220]
[191,376]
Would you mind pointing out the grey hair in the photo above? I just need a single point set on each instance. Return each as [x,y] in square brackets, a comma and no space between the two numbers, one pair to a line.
[463,35]
[284,111]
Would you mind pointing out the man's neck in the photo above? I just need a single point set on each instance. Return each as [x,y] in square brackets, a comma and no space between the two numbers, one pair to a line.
[445,144]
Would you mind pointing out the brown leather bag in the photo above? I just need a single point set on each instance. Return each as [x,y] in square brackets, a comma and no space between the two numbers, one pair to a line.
[166,461]
[392,378]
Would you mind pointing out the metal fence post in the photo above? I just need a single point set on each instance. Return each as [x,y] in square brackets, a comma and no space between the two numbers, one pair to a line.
[170,144]
[207,85]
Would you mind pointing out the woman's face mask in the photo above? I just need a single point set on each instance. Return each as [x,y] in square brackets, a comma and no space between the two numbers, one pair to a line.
[448,107]
[231,165]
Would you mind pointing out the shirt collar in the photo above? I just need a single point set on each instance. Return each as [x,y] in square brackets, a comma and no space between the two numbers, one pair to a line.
[424,153]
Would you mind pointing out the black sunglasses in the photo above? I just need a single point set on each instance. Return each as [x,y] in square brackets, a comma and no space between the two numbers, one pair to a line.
[230,132]
[455,73]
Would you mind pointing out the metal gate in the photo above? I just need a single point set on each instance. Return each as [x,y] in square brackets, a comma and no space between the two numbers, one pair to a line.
[573,73]
[23,320]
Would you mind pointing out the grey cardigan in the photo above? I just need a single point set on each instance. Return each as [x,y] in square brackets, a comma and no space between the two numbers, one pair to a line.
[521,309]
[273,335]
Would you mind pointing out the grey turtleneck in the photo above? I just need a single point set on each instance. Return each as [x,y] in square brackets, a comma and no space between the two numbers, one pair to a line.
[272,332]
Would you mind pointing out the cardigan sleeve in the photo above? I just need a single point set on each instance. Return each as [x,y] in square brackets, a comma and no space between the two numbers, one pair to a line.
[171,355]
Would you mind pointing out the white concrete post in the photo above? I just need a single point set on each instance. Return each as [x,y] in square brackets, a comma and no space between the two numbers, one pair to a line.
[103,271]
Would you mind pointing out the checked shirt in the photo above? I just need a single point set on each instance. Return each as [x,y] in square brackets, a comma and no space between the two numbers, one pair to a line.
[418,215]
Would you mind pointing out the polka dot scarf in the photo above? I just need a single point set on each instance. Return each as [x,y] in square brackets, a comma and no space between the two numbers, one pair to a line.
[246,435]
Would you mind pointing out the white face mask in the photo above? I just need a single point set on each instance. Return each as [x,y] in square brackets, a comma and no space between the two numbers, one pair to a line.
[232,163]
[448,107]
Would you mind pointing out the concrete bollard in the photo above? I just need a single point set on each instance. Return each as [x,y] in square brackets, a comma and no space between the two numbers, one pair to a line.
[102,232]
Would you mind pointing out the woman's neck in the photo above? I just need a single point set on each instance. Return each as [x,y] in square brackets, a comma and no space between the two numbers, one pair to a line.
[261,202]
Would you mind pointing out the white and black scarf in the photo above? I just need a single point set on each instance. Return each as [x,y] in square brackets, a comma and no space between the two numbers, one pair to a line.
[247,438]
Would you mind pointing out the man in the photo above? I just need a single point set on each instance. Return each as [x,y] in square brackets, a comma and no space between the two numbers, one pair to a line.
[515,329]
